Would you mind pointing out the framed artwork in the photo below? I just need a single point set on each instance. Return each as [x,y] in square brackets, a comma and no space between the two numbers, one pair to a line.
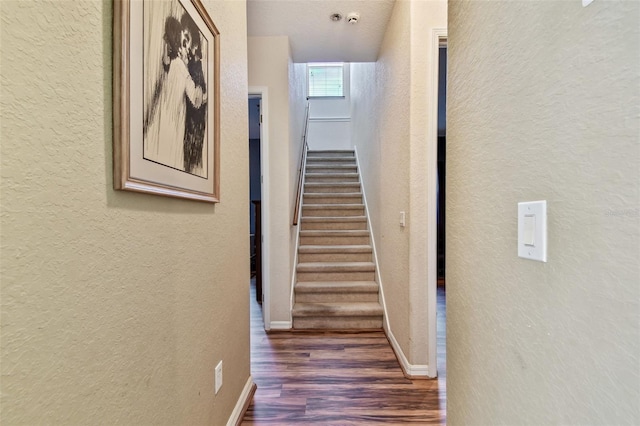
[166,98]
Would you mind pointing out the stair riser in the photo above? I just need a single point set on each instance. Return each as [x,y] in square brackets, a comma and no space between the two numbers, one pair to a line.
[334,226]
[331,189]
[331,179]
[330,199]
[334,241]
[331,212]
[335,276]
[334,257]
[337,323]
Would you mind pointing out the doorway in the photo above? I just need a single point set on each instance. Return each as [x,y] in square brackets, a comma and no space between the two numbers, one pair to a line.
[259,95]
[436,197]
[255,196]
[442,143]
[441,309]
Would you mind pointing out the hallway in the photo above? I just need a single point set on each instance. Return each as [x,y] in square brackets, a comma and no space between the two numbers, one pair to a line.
[338,378]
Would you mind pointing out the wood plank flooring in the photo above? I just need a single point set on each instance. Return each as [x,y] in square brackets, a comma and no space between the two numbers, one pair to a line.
[338,378]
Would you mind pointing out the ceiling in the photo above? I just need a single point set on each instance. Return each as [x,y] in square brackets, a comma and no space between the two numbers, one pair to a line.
[313,36]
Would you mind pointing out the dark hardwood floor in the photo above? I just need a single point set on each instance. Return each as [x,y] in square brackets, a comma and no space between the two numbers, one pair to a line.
[339,378]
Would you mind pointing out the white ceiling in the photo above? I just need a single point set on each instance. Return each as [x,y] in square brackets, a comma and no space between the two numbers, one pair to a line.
[313,36]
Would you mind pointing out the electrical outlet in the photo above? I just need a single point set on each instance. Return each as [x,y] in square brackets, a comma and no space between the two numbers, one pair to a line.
[218,378]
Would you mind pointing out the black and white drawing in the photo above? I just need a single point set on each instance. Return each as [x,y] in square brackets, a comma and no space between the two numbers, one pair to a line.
[175,89]
[166,99]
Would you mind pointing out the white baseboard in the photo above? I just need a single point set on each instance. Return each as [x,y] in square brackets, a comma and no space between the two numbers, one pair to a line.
[281,325]
[243,402]
[415,371]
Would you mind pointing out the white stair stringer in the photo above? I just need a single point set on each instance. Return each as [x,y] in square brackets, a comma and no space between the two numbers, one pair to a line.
[335,278]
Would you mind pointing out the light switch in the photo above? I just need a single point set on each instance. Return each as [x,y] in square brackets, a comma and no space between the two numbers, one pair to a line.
[529,237]
[532,230]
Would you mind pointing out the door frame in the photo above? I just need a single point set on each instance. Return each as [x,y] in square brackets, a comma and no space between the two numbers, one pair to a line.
[263,92]
[439,36]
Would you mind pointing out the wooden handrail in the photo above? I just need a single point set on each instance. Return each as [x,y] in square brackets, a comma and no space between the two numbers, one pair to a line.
[303,157]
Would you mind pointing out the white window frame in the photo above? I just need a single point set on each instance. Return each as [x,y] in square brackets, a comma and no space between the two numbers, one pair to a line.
[326,64]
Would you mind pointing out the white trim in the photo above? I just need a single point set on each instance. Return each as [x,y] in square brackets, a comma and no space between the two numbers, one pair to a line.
[432,199]
[409,369]
[280,325]
[234,419]
[263,91]
[378,277]
[330,119]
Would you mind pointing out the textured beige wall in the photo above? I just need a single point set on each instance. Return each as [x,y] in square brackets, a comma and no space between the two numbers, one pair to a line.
[116,306]
[390,103]
[543,104]
[269,66]
[393,97]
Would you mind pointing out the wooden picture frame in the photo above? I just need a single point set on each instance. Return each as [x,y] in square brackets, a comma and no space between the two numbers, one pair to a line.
[166,99]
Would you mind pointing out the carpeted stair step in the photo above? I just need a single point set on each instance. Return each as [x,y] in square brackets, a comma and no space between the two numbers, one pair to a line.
[334,223]
[330,153]
[311,177]
[319,187]
[336,291]
[331,160]
[332,168]
[332,210]
[335,253]
[361,315]
[339,237]
[336,271]
[335,287]
[339,198]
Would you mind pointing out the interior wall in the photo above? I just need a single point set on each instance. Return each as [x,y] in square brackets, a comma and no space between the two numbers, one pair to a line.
[543,105]
[269,66]
[385,169]
[391,101]
[330,118]
[116,306]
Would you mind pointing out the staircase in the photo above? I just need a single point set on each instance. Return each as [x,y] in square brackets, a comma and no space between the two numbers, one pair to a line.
[335,286]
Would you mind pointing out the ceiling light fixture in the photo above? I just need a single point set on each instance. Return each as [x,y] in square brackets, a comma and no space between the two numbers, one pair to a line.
[335,17]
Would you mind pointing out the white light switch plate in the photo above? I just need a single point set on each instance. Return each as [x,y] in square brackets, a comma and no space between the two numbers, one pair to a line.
[532,230]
